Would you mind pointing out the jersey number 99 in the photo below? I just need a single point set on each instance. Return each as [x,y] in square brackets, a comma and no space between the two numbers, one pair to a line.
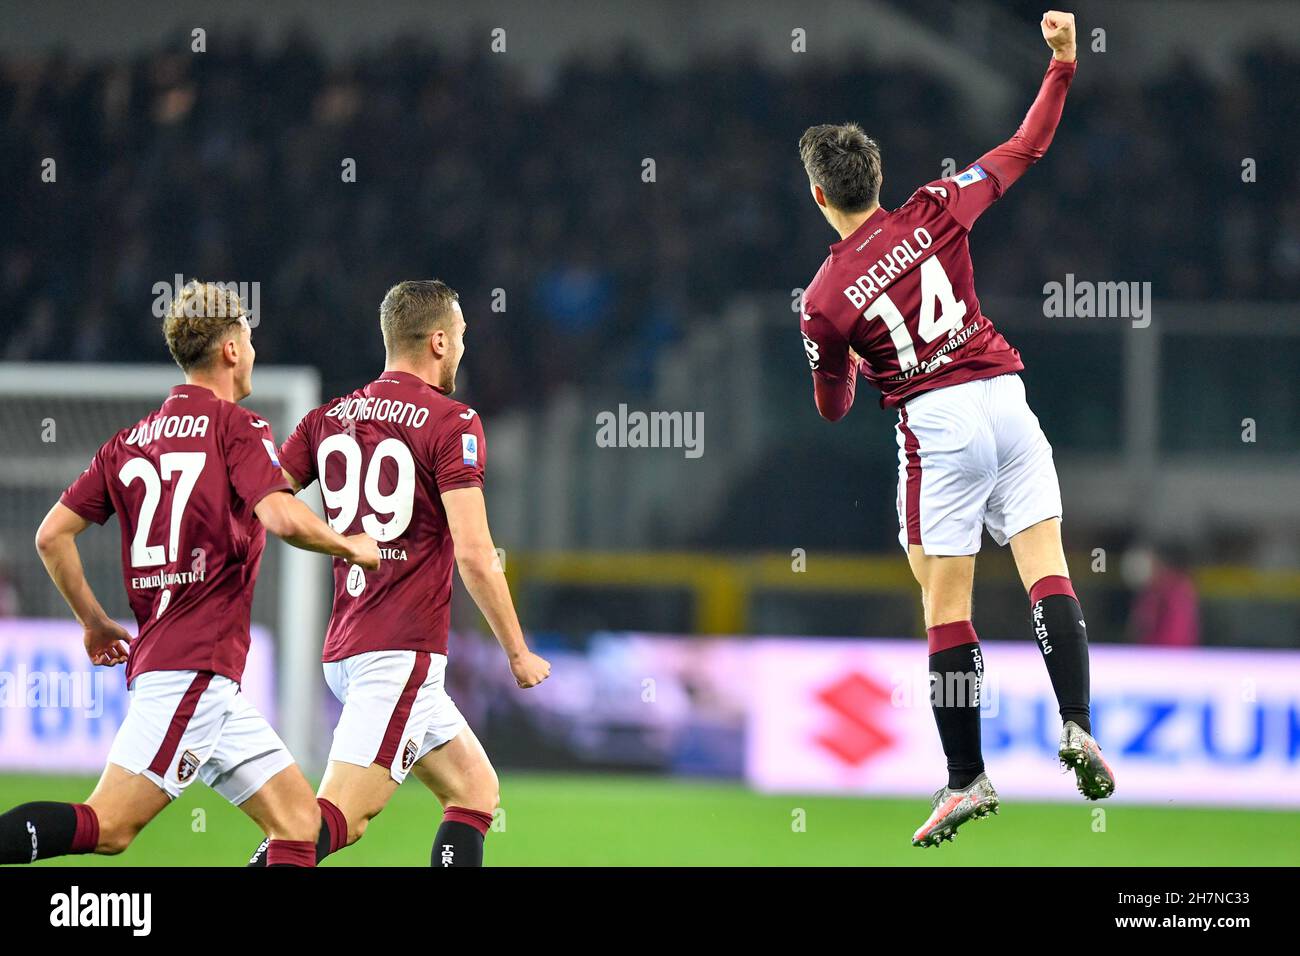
[344,500]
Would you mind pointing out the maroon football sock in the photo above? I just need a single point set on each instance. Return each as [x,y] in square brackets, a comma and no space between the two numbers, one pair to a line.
[459,841]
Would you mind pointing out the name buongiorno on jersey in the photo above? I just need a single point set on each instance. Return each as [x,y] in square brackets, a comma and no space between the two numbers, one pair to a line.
[370,408]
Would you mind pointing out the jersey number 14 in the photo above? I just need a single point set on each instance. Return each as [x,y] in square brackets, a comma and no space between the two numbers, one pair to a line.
[936,297]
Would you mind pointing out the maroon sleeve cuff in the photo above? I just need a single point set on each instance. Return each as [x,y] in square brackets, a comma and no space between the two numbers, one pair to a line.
[833,399]
[476,482]
[270,489]
[81,512]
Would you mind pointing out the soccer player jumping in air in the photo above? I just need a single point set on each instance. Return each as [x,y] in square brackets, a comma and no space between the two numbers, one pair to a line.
[196,486]
[403,461]
[895,302]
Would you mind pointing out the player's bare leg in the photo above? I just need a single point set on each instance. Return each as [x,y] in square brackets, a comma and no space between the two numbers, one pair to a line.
[121,805]
[458,773]
[1038,552]
[286,810]
[350,796]
[956,674]
[360,794]
[124,803]
[946,583]
[1062,638]
[462,778]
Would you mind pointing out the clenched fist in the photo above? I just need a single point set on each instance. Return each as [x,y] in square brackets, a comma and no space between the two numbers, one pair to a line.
[529,669]
[365,551]
[1058,31]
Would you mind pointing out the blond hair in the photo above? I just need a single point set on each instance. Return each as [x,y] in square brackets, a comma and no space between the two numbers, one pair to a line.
[411,311]
[198,319]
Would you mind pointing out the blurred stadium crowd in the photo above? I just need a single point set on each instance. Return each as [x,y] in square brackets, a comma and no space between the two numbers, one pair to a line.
[163,168]
[232,165]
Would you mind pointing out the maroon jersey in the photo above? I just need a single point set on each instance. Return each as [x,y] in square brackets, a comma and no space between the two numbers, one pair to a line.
[900,291]
[183,483]
[383,456]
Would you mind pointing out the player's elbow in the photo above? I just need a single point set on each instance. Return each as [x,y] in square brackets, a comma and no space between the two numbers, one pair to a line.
[831,411]
[46,538]
[1034,150]
[278,524]
[477,561]
[277,515]
[833,399]
[49,536]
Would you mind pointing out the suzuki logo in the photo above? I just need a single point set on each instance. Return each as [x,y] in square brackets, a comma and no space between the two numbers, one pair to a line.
[855,737]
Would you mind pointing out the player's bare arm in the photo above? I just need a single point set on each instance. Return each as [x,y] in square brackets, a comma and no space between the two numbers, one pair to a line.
[387,642]
[56,542]
[362,541]
[294,523]
[183,653]
[476,558]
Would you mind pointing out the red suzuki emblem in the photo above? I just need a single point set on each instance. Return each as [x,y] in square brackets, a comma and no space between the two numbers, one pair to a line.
[855,736]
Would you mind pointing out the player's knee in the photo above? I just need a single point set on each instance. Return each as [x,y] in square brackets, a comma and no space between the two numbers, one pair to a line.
[484,792]
[485,799]
[480,791]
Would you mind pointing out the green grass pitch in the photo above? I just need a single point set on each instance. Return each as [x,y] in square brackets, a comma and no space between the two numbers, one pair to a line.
[644,821]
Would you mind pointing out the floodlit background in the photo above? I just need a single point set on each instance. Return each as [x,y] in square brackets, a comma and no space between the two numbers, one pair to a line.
[615,191]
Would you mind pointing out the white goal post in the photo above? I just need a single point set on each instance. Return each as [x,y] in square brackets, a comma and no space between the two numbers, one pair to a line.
[53,417]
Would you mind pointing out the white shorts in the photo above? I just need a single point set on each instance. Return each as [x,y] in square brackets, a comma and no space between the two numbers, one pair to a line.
[395,708]
[186,724]
[972,456]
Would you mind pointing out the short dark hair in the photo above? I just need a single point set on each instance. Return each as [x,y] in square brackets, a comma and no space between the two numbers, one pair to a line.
[844,162]
[412,310]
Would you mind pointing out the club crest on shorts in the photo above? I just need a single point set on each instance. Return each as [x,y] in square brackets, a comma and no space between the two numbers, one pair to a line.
[356,580]
[408,755]
[188,765]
